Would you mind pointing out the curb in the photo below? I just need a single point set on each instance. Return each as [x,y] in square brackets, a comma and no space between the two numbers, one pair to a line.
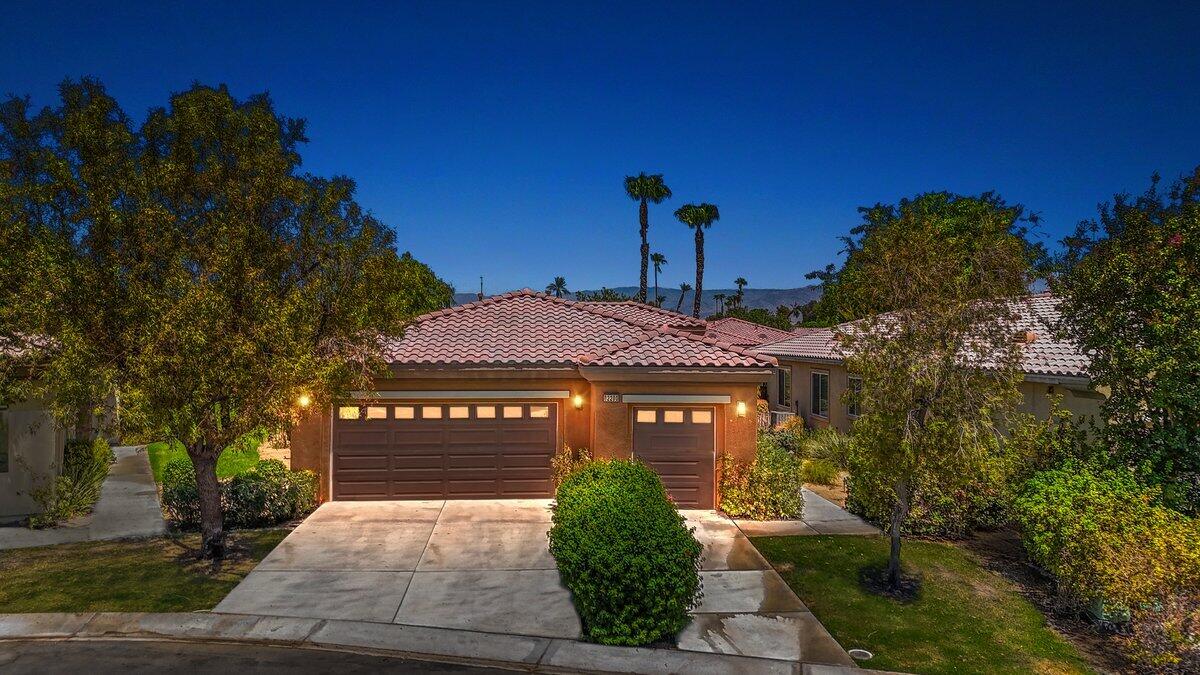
[531,654]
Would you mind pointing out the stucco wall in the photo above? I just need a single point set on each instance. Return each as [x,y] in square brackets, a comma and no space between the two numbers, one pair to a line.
[35,443]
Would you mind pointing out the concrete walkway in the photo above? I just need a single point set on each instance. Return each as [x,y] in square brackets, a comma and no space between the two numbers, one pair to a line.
[128,508]
[821,516]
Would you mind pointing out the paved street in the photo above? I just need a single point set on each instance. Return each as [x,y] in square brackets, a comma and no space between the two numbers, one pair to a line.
[180,657]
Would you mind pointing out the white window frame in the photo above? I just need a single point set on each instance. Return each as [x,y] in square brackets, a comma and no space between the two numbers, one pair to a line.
[813,407]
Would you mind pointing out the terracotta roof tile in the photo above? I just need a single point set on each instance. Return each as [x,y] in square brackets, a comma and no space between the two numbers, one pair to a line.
[744,333]
[642,313]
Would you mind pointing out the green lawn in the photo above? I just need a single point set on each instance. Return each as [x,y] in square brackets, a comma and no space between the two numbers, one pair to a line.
[966,619]
[150,575]
[233,460]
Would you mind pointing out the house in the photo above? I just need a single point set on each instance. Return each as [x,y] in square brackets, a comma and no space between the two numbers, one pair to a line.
[479,398]
[812,377]
[31,446]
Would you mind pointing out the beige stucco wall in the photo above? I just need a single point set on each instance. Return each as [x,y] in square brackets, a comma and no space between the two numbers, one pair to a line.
[35,442]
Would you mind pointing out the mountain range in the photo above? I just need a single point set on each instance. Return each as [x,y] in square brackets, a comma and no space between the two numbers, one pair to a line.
[766,298]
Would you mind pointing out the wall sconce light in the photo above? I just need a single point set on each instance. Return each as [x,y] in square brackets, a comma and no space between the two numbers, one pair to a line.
[741,408]
[578,402]
[303,400]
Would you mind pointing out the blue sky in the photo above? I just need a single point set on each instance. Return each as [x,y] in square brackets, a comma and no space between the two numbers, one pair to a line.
[493,136]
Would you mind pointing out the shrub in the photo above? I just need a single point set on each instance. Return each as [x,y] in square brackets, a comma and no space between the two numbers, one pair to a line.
[1166,639]
[828,444]
[820,472]
[267,494]
[567,461]
[77,488]
[766,489]
[625,553]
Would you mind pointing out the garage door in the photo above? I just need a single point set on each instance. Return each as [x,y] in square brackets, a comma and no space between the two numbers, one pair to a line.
[443,451]
[679,444]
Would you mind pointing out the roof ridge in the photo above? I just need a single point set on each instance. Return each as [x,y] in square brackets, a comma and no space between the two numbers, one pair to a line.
[647,335]
[740,351]
[639,304]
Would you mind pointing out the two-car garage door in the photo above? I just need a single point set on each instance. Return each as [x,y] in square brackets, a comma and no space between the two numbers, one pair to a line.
[443,450]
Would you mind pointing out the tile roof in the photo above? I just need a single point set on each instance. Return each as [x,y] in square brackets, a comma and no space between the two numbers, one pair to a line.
[1037,315]
[640,312]
[744,333]
[529,328]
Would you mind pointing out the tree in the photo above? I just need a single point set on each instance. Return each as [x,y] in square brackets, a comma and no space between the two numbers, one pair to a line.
[699,217]
[240,283]
[935,346]
[738,297]
[684,287]
[558,287]
[755,315]
[605,294]
[645,188]
[659,260]
[1130,286]
[720,299]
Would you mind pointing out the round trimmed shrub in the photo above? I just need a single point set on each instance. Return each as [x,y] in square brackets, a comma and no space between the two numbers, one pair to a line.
[626,554]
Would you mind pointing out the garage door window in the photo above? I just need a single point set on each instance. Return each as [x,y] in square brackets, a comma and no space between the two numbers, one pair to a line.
[485,412]
[431,412]
[348,412]
[459,412]
[405,412]
[673,416]
[647,416]
[539,411]
[376,412]
[701,417]
[512,411]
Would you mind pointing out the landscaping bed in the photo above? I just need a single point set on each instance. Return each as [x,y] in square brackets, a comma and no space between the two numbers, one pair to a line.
[162,574]
[965,618]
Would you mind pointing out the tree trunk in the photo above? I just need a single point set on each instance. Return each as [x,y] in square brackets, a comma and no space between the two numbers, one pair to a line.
[699,272]
[679,305]
[644,215]
[656,286]
[84,423]
[212,525]
[899,513]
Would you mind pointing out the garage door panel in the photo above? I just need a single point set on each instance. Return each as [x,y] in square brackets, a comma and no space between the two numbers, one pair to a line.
[681,452]
[372,461]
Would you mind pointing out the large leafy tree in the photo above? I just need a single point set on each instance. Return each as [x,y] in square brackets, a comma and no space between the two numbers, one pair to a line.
[1131,297]
[935,346]
[698,217]
[644,189]
[237,282]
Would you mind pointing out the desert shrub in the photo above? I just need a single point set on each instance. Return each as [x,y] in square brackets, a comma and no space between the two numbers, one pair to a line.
[828,444]
[820,472]
[567,461]
[76,489]
[267,494]
[767,488]
[624,551]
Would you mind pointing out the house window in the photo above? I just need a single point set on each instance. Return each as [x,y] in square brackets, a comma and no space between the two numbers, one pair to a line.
[405,412]
[512,411]
[431,412]
[855,386]
[647,416]
[701,417]
[459,412]
[539,411]
[784,379]
[348,412]
[376,412]
[673,416]
[819,395]
[485,412]
[3,440]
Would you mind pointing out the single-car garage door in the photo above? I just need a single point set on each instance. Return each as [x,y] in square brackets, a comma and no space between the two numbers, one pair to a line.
[443,450]
[679,444]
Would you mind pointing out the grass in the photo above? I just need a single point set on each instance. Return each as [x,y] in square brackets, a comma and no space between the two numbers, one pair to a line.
[965,620]
[236,459]
[148,575]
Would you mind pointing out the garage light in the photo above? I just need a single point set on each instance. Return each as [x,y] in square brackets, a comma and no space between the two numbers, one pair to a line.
[578,401]
[304,400]
[741,408]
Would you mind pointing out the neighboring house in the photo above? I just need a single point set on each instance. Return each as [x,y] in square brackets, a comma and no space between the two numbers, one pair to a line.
[481,396]
[744,333]
[31,445]
[812,377]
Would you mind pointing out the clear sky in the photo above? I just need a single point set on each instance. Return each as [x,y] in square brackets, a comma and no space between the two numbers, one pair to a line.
[493,136]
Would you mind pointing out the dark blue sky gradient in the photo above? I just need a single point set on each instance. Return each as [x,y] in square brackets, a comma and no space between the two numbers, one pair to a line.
[493,136]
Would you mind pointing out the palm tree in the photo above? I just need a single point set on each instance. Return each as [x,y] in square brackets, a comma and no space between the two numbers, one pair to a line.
[683,289]
[659,260]
[741,284]
[558,287]
[698,217]
[644,189]
[720,298]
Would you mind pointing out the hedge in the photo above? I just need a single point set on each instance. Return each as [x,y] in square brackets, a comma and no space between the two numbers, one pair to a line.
[267,494]
[624,551]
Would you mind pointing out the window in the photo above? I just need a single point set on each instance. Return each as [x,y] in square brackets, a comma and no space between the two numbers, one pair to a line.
[701,417]
[673,416]
[485,412]
[3,440]
[647,416]
[459,412]
[512,411]
[376,412]
[855,386]
[539,411]
[348,412]
[405,412]
[431,412]
[819,395]
[784,386]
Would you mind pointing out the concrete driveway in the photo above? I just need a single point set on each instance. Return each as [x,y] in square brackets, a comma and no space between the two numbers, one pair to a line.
[484,565]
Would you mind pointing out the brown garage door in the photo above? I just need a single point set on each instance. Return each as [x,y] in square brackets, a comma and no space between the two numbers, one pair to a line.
[443,451]
[679,444]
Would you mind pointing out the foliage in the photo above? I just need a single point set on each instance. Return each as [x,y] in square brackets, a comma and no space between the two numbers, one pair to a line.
[1103,537]
[767,488]
[267,494]
[820,472]
[757,315]
[932,279]
[1167,639]
[645,188]
[698,217]
[77,488]
[1131,297]
[605,294]
[827,443]
[558,287]
[239,457]
[684,287]
[566,461]
[261,282]
[967,619]
[624,551]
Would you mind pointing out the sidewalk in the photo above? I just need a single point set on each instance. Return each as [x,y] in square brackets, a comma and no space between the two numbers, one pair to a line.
[821,516]
[128,508]
[420,642]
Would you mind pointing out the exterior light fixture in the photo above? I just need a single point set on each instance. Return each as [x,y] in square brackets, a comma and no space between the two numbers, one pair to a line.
[304,400]
[578,401]
[741,408]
